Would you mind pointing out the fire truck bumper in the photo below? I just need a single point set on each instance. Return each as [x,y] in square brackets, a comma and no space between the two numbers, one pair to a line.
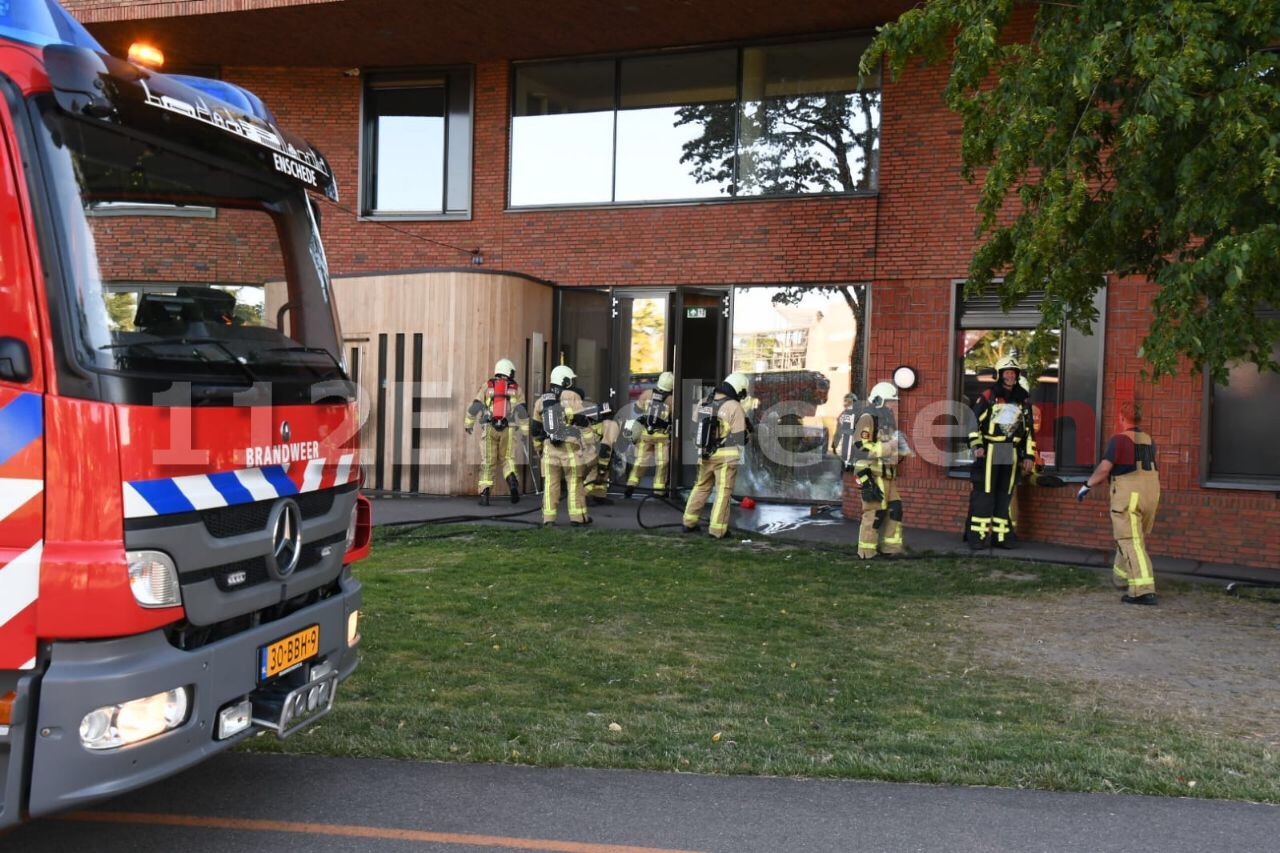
[253,670]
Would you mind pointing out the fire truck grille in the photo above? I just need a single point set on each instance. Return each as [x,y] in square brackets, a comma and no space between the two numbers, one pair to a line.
[243,574]
[225,522]
[185,635]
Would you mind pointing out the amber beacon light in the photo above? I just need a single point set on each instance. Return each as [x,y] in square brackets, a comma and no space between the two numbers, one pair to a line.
[148,55]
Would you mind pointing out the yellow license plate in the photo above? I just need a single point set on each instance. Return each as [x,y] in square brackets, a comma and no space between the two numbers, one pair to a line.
[288,652]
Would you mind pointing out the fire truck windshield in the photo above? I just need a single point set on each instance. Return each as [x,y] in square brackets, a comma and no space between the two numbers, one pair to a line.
[174,267]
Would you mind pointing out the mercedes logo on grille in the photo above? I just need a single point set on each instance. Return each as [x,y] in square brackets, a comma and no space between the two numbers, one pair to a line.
[285,432]
[285,524]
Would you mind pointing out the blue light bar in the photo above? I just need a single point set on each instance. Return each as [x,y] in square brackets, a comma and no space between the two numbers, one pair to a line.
[42,22]
[229,93]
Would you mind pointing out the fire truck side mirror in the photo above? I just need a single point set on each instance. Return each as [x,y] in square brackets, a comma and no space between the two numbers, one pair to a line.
[15,360]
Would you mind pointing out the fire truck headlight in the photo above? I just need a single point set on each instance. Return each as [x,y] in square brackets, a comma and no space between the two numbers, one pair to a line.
[113,726]
[153,578]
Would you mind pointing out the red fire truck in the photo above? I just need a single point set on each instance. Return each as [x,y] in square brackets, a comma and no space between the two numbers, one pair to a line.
[179,505]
